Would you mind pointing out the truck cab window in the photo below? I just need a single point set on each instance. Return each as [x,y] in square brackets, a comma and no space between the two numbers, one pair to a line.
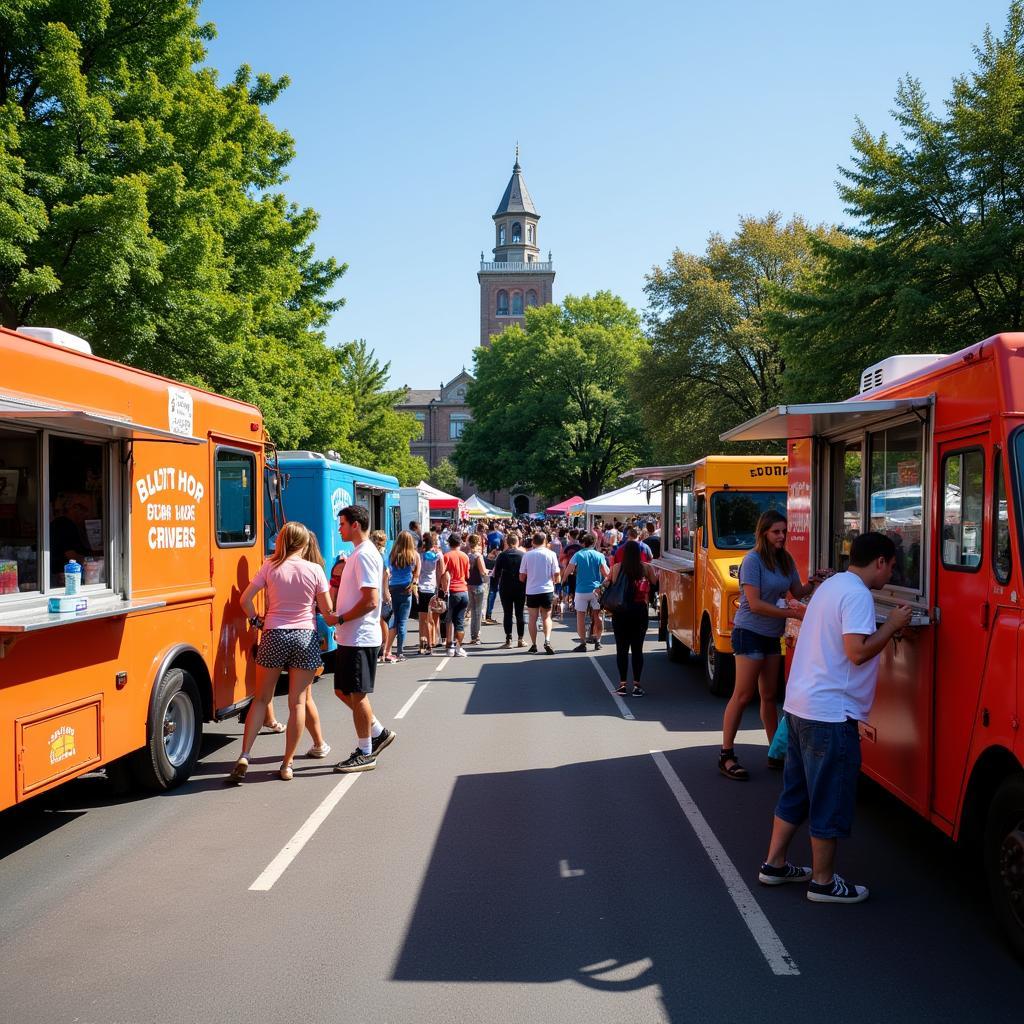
[235,497]
[78,514]
[19,512]
[963,474]
[1002,555]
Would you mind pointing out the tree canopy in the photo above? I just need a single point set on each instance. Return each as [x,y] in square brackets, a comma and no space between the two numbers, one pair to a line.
[939,226]
[444,476]
[715,358]
[552,408]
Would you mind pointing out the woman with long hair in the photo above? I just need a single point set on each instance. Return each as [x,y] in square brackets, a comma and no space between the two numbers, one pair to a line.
[478,576]
[295,588]
[429,626]
[630,619]
[767,575]
[404,566]
[379,539]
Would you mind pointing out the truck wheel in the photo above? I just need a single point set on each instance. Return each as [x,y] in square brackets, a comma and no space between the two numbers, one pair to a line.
[173,733]
[1004,859]
[719,668]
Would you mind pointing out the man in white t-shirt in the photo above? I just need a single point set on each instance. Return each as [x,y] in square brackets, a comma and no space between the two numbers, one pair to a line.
[540,572]
[359,637]
[830,690]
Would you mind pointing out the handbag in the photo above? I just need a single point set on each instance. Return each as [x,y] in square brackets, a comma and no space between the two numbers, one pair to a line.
[438,605]
[614,596]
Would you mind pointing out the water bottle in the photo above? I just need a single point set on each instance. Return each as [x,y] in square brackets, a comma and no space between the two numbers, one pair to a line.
[72,577]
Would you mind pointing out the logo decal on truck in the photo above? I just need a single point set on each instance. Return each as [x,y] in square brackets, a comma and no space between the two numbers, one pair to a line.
[759,471]
[62,744]
[341,498]
[179,507]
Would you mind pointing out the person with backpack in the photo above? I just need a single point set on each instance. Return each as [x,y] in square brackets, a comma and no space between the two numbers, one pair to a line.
[630,618]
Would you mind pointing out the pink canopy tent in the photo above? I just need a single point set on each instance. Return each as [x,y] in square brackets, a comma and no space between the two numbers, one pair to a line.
[563,506]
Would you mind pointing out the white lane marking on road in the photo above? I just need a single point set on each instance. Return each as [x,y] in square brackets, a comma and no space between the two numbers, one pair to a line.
[412,700]
[567,872]
[441,664]
[623,710]
[291,849]
[753,916]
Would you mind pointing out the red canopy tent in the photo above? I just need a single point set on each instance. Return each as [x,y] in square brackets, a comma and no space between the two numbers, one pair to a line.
[563,506]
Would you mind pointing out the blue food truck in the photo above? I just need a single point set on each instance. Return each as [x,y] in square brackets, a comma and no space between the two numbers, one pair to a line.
[315,487]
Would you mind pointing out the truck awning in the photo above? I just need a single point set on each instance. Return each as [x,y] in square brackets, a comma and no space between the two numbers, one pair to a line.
[63,417]
[657,472]
[821,418]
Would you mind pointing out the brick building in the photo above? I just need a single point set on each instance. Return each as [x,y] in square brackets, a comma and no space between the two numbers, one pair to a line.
[514,280]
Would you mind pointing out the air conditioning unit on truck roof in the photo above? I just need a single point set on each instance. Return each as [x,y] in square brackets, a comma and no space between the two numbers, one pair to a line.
[56,336]
[882,374]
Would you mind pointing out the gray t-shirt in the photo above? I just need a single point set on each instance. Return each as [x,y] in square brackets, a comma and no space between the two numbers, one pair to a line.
[772,585]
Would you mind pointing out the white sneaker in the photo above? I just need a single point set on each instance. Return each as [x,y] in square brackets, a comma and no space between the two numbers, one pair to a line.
[315,751]
[460,652]
[451,652]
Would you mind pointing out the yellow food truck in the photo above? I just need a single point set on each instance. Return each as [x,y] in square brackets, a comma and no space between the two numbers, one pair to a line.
[709,509]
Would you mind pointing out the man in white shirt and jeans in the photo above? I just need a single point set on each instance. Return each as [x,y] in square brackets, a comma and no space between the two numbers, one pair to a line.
[830,690]
[540,571]
[359,637]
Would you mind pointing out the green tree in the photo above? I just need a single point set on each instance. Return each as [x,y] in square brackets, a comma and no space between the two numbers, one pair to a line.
[939,222]
[715,359]
[444,476]
[552,409]
[380,435]
[138,208]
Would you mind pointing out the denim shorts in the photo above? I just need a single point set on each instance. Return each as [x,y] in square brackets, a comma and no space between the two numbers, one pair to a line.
[458,602]
[748,644]
[819,784]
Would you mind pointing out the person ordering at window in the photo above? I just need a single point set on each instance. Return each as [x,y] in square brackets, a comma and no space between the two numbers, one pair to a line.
[68,538]
[767,575]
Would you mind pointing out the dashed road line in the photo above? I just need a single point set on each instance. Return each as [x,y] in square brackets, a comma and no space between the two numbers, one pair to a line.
[412,700]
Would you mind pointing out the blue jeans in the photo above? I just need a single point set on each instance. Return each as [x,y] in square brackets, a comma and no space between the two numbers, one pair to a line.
[492,596]
[458,604]
[819,783]
[402,603]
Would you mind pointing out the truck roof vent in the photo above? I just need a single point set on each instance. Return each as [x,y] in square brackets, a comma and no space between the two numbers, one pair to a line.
[884,373]
[57,337]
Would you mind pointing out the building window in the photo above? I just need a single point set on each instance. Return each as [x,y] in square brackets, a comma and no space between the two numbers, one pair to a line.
[457,424]
[531,298]
[531,235]
[517,232]
[517,303]
[421,417]
[501,235]
[502,304]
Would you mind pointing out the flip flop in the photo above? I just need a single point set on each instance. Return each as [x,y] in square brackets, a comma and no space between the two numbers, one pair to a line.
[277,727]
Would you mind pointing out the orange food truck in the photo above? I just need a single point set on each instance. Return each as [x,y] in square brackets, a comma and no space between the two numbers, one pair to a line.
[155,491]
[709,509]
[931,452]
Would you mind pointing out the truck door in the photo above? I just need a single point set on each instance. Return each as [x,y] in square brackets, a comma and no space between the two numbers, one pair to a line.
[963,599]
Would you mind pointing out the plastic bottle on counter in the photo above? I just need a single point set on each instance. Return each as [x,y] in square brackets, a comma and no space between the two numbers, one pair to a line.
[72,577]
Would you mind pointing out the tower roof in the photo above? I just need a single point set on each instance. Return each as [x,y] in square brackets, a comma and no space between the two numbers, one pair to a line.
[516,199]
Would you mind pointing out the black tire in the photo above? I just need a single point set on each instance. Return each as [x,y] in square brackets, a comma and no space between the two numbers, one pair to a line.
[719,668]
[174,733]
[1004,860]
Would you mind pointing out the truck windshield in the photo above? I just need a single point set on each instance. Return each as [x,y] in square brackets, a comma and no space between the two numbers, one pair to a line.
[734,516]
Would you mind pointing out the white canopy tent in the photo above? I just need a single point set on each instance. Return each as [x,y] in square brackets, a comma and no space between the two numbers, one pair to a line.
[639,498]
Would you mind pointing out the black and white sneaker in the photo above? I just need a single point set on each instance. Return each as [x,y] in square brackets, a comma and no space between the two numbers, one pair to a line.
[597,645]
[533,649]
[385,739]
[581,649]
[837,891]
[357,761]
[779,876]
[548,649]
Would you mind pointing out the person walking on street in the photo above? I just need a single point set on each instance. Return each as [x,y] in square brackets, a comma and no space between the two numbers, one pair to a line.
[630,619]
[540,572]
[404,571]
[477,583]
[456,582]
[830,691]
[492,587]
[588,568]
[767,575]
[296,588]
[511,588]
[427,588]
[359,637]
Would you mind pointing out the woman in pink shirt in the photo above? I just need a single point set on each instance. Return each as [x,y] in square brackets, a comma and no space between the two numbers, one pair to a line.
[295,588]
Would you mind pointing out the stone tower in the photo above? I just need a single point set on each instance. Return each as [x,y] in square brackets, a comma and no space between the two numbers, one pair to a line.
[516,277]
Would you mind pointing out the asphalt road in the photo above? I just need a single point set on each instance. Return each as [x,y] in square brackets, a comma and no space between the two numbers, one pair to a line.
[519,855]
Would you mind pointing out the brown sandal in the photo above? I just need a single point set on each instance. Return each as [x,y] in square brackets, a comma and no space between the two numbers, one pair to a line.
[732,771]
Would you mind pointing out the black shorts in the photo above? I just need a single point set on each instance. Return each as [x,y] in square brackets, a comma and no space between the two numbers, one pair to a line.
[540,600]
[355,669]
[289,648]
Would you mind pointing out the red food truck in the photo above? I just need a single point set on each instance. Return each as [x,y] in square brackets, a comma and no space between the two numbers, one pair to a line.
[931,452]
[156,491]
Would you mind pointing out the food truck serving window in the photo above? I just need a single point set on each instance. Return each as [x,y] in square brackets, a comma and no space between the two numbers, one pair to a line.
[734,516]
[684,517]
[236,498]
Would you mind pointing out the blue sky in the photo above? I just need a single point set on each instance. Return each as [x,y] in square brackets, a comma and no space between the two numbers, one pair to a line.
[643,127]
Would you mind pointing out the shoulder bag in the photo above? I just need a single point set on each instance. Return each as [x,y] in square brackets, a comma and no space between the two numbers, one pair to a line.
[614,596]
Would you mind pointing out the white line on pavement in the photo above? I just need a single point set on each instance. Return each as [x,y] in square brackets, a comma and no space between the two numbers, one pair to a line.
[291,849]
[412,700]
[441,664]
[623,710]
[753,916]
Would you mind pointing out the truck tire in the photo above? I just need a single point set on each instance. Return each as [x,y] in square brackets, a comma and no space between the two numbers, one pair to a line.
[173,733]
[719,668]
[1004,859]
